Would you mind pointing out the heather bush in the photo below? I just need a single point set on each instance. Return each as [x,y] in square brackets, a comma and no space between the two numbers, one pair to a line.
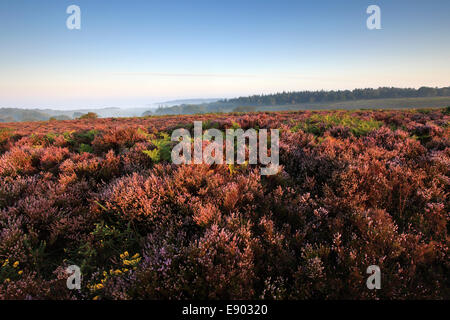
[118,139]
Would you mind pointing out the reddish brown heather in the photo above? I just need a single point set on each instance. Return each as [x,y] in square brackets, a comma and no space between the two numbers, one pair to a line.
[355,189]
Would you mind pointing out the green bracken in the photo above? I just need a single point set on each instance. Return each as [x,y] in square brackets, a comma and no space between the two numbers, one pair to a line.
[317,124]
[162,150]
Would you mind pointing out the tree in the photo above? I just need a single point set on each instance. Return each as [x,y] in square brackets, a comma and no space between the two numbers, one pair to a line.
[89,115]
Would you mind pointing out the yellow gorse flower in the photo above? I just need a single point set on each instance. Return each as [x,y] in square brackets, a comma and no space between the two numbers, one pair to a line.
[16,264]
[135,256]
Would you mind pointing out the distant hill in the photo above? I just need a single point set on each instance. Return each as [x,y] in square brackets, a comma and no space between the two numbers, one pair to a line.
[186,101]
[18,114]
[14,115]
[178,106]
[342,99]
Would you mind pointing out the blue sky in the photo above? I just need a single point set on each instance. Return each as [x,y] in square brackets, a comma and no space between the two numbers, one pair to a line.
[131,53]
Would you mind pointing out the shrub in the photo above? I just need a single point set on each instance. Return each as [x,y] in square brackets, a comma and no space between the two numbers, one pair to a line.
[89,115]
[318,124]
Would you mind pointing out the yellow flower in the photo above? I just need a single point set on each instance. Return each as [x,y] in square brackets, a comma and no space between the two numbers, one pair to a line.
[20,272]
[105,273]
[125,270]
[7,280]
[127,262]
[135,256]
[117,272]
[99,286]
[96,298]
[124,255]
[16,264]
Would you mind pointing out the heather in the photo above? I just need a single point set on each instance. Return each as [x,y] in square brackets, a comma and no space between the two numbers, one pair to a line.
[355,188]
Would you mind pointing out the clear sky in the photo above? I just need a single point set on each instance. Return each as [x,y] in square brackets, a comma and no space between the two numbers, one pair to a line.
[135,52]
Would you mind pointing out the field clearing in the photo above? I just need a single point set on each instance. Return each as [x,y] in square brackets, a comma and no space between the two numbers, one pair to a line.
[394,103]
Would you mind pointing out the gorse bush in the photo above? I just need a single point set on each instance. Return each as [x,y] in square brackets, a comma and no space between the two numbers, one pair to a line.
[355,189]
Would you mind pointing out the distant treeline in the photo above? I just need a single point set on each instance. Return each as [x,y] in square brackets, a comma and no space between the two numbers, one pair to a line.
[285,98]
[358,98]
